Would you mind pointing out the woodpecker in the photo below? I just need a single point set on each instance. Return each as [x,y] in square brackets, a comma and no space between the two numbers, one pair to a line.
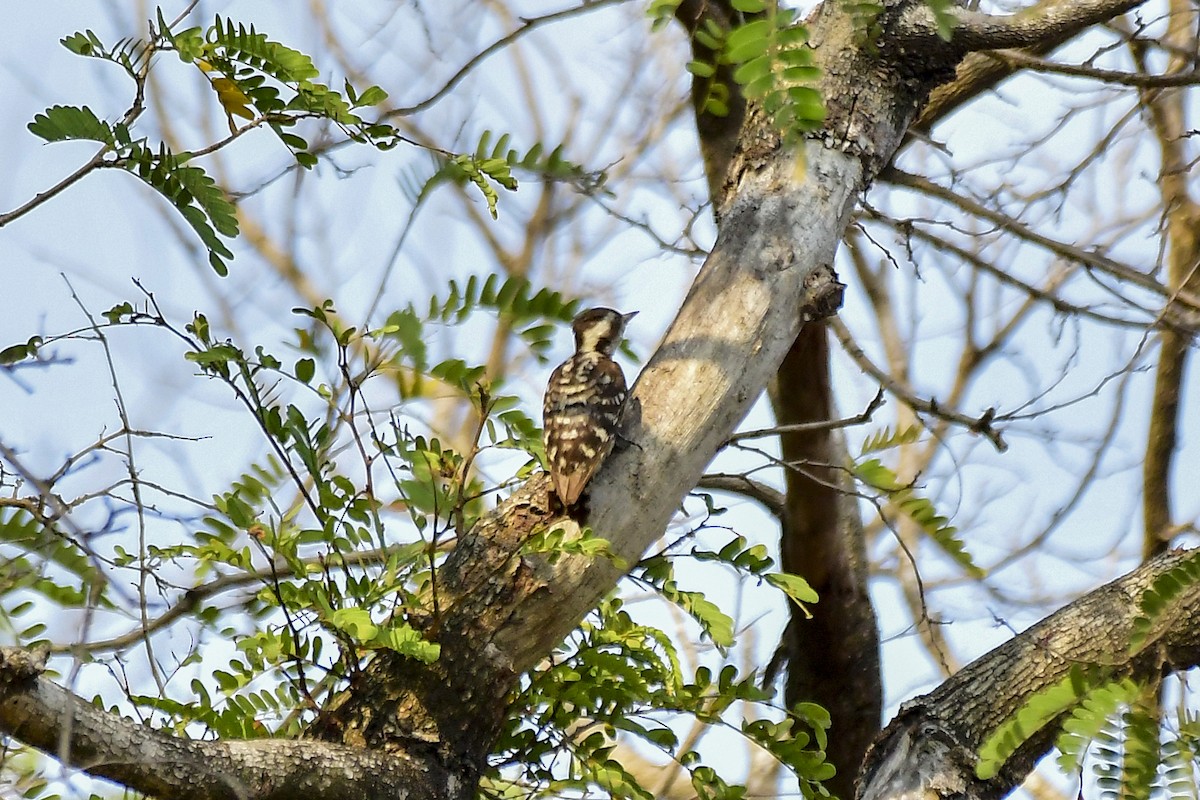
[583,403]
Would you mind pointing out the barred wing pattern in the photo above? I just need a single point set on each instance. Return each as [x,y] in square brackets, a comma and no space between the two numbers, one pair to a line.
[581,412]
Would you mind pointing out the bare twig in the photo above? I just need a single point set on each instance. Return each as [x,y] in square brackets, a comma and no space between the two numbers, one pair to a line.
[981,425]
[821,425]
[527,25]
[1020,60]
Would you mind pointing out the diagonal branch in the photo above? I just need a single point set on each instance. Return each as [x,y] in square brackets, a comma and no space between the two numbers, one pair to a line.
[979,72]
[984,424]
[44,715]
[929,749]
[770,498]
[1031,27]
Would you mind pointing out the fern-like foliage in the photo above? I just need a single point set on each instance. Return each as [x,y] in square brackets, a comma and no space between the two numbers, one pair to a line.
[1116,724]
[620,677]
[39,564]
[770,59]
[1126,752]
[259,81]
[71,123]
[1089,718]
[1180,759]
[1139,765]
[189,188]
[256,77]
[658,571]
[492,164]
[903,497]
[194,194]
[1036,712]
[129,54]
[887,439]
[512,297]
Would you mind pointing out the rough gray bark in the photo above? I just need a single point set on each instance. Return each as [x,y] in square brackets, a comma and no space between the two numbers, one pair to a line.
[408,729]
[928,750]
[42,714]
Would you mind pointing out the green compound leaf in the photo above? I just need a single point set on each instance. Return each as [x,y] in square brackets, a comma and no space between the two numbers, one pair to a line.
[1161,595]
[193,193]
[67,123]
[715,623]
[774,66]
[1089,718]
[920,510]
[249,47]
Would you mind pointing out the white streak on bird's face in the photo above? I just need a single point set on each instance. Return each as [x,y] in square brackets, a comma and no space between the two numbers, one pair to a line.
[599,330]
[594,336]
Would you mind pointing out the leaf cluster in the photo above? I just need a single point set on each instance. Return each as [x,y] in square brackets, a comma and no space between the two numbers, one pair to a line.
[535,313]
[255,78]
[620,679]
[262,82]
[491,164]
[770,59]
[187,187]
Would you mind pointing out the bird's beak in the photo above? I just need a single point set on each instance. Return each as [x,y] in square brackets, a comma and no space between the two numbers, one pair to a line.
[626,317]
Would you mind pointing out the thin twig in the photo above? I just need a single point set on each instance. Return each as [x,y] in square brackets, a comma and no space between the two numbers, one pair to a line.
[1016,58]
[981,425]
[772,499]
[527,25]
[820,425]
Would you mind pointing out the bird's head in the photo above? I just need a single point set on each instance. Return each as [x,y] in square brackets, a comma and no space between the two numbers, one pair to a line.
[599,330]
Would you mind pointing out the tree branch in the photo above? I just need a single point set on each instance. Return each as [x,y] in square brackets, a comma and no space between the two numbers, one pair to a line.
[44,715]
[812,427]
[768,497]
[982,425]
[929,749]
[1031,27]
[1023,60]
[979,72]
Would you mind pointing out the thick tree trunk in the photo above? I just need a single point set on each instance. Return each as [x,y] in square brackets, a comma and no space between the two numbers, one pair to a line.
[832,658]
[820,528]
